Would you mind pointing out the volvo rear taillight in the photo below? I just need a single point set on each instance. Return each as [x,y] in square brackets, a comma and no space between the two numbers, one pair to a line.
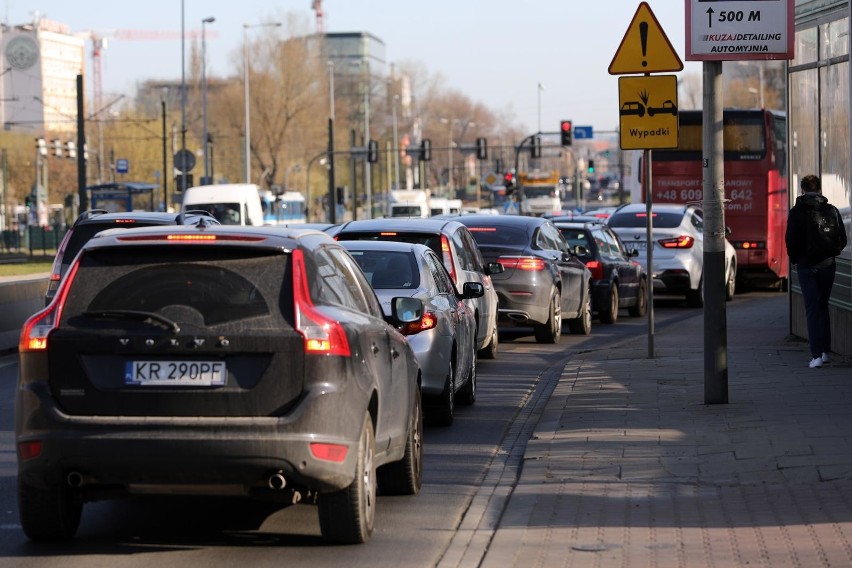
[323,335]
[532,263]
[596,268]
[35,331]
[683,241]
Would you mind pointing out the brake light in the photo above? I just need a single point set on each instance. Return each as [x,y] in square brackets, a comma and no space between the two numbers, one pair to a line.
[683,241]
[387,234]
[482,229]
[29,450]
[36,329]
[428,321]
[192,237]
[124,221]
[329,452]
[596,268]
[531,263]
[323,335]
[448,258]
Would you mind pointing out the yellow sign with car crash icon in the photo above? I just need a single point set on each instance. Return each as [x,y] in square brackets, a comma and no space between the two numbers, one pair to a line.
[647,112]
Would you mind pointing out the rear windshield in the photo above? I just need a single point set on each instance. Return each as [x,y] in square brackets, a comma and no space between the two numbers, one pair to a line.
[499,236]
[84,232]
[225,213]
[406,211]
[638,219]
[431,240]
[201,288]
[388,269]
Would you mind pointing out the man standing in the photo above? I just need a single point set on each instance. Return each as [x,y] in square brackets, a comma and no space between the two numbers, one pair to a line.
[815,235]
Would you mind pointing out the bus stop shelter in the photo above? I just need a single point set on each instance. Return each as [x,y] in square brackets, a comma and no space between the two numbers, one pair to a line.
[123,196]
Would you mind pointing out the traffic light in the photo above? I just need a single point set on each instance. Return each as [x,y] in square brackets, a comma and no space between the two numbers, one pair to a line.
[591,168]
[566,132]
[535,147]
[481,149]
[372,151]
[426,150]
[509,181]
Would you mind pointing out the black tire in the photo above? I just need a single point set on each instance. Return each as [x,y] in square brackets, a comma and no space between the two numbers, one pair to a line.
[441,411]
[695,298]
[348,516]
[639,309]
[467,394]
[609,312]
[48,514]
[551,331]
[731,283]
[405,477]
[490,350]
[582,324]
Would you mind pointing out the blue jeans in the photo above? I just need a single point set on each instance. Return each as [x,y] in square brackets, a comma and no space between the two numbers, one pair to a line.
[816,283]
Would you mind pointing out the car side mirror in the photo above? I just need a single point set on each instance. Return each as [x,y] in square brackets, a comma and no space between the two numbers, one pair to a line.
[472,290]
[493,268]
[406,310]
[580,250]
[727,231]
[632,252]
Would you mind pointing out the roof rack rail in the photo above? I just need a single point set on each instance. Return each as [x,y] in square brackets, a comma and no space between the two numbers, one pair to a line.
[91,213]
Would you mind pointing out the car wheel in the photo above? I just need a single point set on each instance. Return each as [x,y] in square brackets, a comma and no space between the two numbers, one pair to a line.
[347,516]
[48,514]
[638,309]
[405,476]
[442,411]
[695,298]
[582,324]
[609,312]
[731,283]
[467,394]
[551,332]
[490,350]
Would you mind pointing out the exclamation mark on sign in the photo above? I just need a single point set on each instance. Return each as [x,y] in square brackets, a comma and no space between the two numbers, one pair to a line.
[643,37]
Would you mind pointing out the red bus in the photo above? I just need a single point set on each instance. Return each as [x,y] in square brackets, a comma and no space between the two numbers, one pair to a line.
[756,203]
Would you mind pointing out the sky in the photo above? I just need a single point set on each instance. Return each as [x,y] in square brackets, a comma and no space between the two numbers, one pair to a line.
[496,52]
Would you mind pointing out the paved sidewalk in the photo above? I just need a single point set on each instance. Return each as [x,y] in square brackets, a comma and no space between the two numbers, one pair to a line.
[628,466]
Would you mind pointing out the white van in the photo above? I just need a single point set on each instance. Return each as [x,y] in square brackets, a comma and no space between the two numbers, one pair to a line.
[230,203]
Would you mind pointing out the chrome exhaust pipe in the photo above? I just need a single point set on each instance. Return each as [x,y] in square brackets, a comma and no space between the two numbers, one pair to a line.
[277,481]
[75,479]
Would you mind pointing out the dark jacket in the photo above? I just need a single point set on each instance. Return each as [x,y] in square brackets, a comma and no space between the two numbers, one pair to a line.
[796,236]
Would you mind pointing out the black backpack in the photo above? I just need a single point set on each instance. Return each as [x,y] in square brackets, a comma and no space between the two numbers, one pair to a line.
[824,233]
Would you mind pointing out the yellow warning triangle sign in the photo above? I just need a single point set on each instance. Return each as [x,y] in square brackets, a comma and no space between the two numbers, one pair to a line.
[645,47]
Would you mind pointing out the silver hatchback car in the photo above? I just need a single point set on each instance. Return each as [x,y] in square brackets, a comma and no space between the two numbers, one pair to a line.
[454,244]
[444,340]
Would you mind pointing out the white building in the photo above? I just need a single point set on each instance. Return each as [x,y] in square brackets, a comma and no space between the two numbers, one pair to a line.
[38,87]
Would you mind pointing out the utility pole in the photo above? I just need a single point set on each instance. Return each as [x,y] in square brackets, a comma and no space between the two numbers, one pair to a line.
[713,182]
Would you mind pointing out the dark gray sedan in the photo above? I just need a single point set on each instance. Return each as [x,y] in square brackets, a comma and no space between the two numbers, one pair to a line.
[543,281]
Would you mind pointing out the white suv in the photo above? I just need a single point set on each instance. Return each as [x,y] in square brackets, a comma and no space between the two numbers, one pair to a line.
[678,254]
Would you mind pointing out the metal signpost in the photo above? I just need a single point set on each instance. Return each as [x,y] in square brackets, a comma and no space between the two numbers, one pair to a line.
[647,110]
[716,32]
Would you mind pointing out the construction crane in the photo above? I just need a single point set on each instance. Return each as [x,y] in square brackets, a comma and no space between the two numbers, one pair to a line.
[100,39]
[316,6]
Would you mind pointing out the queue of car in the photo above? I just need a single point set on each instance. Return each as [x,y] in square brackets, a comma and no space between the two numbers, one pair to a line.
[319,349]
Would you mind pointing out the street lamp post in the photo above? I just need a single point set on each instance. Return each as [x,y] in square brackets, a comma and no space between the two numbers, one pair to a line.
[449,123]
[246,27]
[206,143]
[395,142]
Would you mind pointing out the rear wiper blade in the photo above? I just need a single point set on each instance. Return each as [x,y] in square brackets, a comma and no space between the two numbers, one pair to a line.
[147,317]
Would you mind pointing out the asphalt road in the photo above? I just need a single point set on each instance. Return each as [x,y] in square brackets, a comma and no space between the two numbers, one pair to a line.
[468,467]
